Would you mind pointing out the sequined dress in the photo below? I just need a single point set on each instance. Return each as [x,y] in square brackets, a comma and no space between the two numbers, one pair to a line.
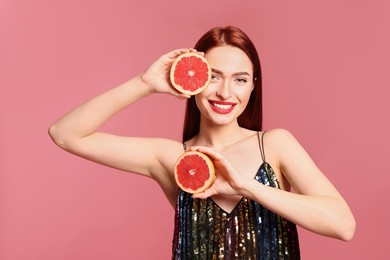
[203,230]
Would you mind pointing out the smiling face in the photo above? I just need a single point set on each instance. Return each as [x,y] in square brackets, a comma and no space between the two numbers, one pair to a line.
[231,84]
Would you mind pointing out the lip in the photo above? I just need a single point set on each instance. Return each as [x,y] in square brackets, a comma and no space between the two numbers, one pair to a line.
[222,107]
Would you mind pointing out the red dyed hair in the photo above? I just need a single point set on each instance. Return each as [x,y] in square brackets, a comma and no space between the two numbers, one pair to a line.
[251,117]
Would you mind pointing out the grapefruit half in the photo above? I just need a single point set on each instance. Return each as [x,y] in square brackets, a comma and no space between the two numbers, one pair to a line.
[190,73]
[194,172]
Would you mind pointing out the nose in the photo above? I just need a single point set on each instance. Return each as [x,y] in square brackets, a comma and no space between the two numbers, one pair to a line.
[224,91]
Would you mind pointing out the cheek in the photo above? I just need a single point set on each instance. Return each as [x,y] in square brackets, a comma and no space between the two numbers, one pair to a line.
[202,96]
[199,98]
[244,93]
[211,88]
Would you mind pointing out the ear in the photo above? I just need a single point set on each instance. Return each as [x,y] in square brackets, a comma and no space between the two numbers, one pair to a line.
[253,85]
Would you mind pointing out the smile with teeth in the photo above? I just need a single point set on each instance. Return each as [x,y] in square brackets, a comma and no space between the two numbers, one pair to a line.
[221,106]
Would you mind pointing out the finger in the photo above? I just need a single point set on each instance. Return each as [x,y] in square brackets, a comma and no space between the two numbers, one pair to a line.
[203,195]
[202,149]
[183,96]
[198,52]
[199,196]
[173,54]
[178,94]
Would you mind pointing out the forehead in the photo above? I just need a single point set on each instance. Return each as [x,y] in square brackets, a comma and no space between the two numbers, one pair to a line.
[229,59]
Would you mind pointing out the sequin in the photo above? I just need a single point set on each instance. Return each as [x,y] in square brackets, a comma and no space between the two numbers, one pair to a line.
[204,231]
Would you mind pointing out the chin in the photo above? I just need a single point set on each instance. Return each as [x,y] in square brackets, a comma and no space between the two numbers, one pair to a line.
[222,121]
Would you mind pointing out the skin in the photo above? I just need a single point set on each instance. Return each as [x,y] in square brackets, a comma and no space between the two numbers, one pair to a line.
[316,205]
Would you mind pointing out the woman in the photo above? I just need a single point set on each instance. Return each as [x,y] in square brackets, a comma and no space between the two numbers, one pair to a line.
[248,213]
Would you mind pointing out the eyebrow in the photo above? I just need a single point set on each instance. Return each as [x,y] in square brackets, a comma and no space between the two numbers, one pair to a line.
[234,74]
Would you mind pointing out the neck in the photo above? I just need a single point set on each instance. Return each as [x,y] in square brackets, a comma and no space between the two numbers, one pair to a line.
[219,136]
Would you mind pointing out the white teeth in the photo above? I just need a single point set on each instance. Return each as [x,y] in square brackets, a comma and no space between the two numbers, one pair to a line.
[222,106]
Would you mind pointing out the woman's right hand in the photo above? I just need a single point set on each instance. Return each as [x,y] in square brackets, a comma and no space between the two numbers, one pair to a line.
[156,77]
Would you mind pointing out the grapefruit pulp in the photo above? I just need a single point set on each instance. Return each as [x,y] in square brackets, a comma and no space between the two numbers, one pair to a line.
[194,172]
[190,73]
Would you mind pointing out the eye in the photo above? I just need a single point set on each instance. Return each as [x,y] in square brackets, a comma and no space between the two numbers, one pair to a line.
[214,77]
[241,81]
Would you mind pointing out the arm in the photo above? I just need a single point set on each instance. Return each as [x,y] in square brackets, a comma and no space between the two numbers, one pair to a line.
[323,209]
[77,131]
[317,206]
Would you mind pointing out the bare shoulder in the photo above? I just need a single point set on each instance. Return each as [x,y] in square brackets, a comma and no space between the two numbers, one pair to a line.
[279,144]
[279,140]
[161,165]
[168,150]
[284,145]
[165,151]
[279,136]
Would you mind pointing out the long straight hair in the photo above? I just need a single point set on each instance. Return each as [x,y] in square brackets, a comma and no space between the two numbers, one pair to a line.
[251,117]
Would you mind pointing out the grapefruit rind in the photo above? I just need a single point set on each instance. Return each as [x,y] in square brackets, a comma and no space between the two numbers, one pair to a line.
[185,177]
[185,78]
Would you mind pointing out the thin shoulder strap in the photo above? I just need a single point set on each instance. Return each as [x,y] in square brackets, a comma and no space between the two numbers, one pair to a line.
[261,144]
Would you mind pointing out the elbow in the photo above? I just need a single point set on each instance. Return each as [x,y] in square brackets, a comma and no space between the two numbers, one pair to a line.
[343,223]
[345,230]
[52,131]
[348,231]
[63,139]
[339,224]
[55,135]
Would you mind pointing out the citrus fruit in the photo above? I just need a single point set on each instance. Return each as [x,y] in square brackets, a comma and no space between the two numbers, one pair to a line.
[194,172]
[190,73]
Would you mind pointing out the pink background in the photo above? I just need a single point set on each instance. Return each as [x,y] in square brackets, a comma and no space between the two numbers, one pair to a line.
[326,79]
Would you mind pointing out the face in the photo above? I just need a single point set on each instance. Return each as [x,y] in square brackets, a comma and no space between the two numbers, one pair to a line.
[231,85]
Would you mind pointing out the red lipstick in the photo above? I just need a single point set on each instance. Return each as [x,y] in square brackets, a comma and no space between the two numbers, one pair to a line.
[222,107]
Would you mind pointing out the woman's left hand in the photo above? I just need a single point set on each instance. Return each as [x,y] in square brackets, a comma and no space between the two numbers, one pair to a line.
[228,181]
